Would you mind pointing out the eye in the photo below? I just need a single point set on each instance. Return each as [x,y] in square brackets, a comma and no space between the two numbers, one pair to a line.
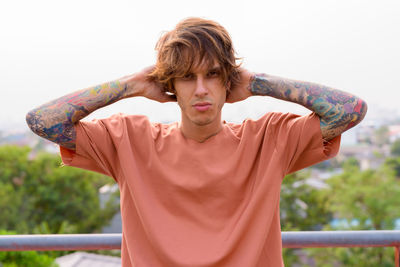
[187,76]
[213,73]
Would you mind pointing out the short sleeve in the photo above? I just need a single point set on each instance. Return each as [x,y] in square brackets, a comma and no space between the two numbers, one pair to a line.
[96,146]
[300,138]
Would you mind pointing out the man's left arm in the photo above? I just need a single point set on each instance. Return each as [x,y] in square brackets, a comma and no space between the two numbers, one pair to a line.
[338,110]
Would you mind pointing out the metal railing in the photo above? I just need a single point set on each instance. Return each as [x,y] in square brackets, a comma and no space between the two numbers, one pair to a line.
[300,239]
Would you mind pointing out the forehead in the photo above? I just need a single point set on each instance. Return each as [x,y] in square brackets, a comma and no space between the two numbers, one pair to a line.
[194,60]
[204,67]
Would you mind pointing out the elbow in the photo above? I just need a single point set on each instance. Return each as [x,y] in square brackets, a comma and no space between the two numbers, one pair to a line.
[361,109]
[358,114]
[34,122]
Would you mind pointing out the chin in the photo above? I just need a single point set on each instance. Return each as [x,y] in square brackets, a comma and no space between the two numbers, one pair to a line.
[203,121]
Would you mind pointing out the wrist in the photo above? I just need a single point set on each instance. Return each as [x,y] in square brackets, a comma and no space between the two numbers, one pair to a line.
[129,85]
[260,84]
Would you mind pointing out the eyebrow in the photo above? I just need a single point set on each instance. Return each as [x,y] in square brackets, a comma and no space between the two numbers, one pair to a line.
[215,68]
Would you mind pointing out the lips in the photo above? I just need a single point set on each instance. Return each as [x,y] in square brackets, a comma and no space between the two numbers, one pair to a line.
[202,106]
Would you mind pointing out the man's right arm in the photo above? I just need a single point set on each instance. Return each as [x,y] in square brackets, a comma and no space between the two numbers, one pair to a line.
[55,120]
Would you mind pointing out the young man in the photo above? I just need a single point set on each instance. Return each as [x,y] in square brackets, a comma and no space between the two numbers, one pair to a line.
[201,192]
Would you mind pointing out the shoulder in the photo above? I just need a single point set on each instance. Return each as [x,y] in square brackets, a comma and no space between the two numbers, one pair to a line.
[126,118]
[270,118]
[141,125]
[271,122]
[116,125]
[289,119]
[255,125]
[123,120]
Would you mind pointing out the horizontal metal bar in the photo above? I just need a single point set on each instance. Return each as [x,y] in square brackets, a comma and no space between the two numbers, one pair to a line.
[300,239]
[316,239]
[60,242]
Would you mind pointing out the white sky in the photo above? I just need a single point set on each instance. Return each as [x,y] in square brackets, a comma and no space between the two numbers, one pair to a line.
[51,48]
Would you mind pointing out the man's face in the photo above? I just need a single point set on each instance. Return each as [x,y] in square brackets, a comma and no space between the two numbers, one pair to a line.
[201,95]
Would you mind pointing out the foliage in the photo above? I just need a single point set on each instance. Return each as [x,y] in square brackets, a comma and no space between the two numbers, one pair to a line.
[350,164]
[355,257]
[393,165]
[67,194]
[370,197]
[364,200]
[361,200]
[24,258]
[38,195]
[14,203]
[303,208]
[395,148]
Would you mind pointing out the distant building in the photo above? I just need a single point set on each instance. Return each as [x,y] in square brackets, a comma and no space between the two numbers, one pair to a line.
[394,132]
[84,259]
[27,138]
[369,156]
[365,133]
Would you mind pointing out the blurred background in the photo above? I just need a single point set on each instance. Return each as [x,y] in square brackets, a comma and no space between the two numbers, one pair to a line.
[51,48]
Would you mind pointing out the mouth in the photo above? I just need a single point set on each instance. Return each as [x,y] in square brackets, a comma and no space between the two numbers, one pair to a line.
[202,106]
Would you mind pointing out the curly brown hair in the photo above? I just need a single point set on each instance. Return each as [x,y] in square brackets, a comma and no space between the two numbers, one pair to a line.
[192,42]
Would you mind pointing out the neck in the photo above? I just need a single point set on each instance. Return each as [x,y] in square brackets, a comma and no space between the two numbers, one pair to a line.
[200,133]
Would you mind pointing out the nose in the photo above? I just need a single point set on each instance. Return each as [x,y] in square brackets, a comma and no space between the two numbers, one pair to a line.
[201,87]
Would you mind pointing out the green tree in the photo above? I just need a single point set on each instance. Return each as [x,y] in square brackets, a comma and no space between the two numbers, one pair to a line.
[14,203]
[393,165]
[36,191]
[395,148]
[303,208]
[351,164]
[67,195]
[369,197]
[367,200]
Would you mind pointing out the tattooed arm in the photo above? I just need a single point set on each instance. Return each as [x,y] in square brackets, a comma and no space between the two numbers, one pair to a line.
[55,120]
[338,110]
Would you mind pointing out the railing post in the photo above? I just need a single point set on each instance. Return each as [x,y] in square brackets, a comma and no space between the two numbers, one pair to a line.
[397,256]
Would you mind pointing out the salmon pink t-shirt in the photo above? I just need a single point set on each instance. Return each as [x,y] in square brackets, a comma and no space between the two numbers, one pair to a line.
[215,203]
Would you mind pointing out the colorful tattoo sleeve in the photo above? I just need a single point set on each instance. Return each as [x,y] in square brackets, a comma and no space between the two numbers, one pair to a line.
[338,111]
[55,120]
